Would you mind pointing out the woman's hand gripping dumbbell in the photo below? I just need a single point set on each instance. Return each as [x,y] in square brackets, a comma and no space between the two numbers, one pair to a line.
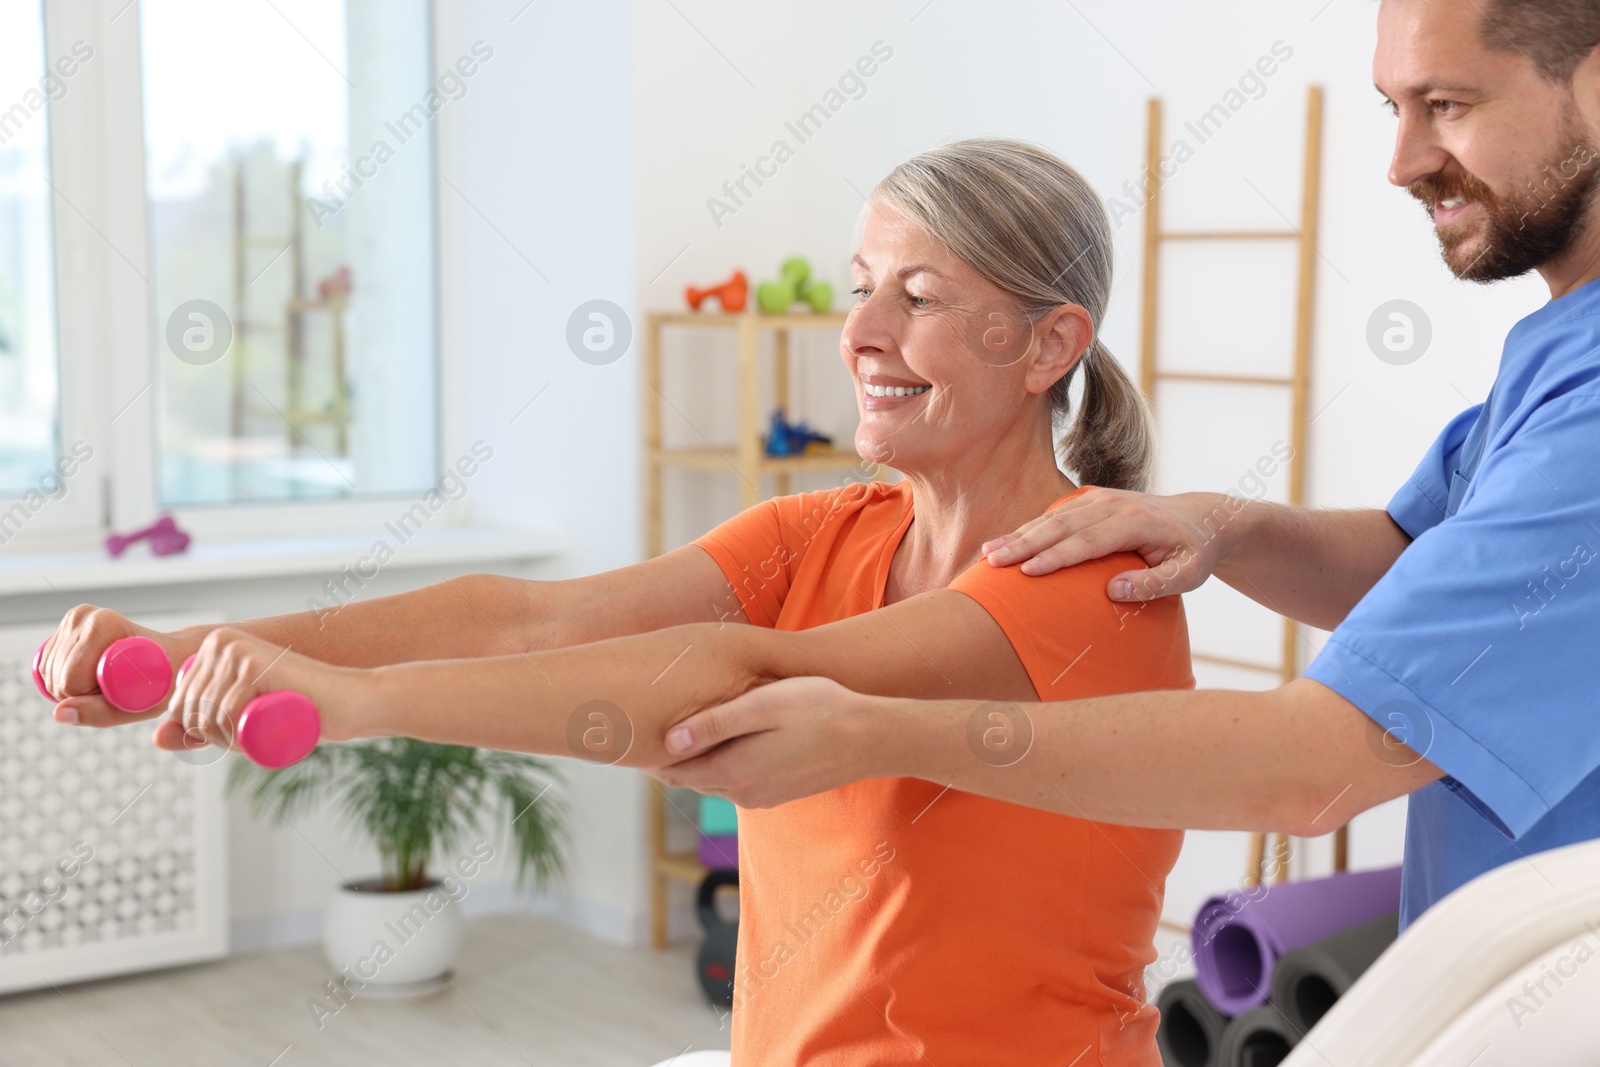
[235,689]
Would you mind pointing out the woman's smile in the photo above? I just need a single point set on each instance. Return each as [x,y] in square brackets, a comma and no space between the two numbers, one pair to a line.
[879,392]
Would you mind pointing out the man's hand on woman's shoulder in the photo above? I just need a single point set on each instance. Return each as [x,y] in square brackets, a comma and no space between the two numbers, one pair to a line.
[1181,539]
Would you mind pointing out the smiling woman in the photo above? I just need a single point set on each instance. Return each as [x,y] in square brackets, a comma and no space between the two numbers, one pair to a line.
[981,272]
[1017,281]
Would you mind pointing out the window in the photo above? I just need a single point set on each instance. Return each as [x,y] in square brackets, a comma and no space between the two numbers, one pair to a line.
[292,268]
[218,268]
[29,380]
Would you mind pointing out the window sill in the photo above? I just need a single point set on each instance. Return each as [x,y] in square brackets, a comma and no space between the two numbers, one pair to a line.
[221,561]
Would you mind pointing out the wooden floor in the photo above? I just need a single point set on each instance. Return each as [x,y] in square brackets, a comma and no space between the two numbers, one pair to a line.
[526,992]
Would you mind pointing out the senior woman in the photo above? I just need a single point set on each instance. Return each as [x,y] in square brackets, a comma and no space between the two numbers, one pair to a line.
[890,920]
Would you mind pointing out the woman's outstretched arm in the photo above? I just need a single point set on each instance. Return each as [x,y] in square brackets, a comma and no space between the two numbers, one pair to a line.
[557,701]
[478,615]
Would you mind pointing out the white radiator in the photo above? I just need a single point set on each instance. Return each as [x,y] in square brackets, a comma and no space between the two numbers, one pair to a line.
[113,854]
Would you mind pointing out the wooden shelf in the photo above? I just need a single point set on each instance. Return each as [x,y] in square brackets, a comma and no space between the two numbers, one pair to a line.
[681,866]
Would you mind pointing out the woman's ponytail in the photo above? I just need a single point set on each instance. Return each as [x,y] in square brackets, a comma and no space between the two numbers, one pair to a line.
[1112,442]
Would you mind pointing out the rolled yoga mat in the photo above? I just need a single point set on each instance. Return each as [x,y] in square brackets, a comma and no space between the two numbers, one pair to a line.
[1237,941]
[1190,1034]
[1261,1037]
[1307,981]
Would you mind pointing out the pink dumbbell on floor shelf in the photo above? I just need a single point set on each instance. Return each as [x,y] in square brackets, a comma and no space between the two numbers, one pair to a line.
[275,729]
[164,536]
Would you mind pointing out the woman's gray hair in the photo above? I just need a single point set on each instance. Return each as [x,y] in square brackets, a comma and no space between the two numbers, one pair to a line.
[1031,225]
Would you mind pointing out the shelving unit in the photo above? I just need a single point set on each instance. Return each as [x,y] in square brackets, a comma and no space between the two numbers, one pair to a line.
[744,458]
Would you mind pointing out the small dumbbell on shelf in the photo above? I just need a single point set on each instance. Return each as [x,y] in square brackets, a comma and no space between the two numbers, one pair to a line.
[794,286]
[793,439]
[731,294]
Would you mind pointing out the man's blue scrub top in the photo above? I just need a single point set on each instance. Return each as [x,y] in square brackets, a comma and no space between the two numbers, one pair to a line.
[1480,648]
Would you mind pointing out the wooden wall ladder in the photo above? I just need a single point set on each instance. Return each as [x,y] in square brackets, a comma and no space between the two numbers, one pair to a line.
[1297,384]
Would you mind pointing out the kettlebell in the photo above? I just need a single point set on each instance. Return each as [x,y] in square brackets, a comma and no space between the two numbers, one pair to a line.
[714,964]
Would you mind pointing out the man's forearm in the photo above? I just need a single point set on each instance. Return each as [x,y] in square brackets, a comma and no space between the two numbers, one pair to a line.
[1309,564]
[463,618]
[1294,759]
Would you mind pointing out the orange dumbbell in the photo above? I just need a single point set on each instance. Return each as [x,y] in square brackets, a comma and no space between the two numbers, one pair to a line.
[732,293]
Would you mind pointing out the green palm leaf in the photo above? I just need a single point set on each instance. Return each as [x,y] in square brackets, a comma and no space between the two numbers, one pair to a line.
[419,801]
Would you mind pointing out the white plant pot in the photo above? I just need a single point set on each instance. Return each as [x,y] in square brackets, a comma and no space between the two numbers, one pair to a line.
[391,944]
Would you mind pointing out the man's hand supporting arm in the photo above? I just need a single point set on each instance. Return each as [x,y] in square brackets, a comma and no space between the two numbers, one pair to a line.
[1299,758]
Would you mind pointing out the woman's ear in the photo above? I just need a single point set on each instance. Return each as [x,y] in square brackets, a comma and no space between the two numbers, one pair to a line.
[1065,334]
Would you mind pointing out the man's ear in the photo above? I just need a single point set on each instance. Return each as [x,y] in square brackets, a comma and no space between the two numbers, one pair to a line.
[1586,89]
[1065,334]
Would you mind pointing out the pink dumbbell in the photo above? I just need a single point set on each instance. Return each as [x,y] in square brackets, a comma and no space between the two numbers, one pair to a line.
[274,730]
[164,536]
[277,728]
[133,674]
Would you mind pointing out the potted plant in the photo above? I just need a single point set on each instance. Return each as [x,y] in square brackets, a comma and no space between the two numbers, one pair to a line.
[419,802]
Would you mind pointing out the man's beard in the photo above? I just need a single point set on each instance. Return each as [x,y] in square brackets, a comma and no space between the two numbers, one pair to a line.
[1525,230]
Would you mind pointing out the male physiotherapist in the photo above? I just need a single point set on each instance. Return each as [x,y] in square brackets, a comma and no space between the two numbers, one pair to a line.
[1465,616]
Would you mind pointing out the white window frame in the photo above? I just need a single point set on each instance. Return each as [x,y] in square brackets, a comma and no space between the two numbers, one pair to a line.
[82,507]
[106,332]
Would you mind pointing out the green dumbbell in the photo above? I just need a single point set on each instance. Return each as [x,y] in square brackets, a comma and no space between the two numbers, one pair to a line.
[774,298]
[796,272]
[792,286]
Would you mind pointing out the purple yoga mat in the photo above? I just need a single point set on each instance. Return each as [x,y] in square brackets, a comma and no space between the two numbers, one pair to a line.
[1237,939]
[719,850]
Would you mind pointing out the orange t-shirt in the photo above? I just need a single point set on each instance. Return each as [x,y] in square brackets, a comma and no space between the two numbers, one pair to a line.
[892,921]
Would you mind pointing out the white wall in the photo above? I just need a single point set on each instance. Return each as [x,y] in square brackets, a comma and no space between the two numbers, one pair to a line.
[538,216]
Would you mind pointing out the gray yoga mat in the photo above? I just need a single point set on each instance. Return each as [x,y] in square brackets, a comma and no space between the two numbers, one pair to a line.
[1309,979]
[1190,1034]
[1261,1037]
